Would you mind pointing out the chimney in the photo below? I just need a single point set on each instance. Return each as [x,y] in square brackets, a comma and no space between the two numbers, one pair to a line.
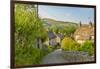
[90,24]
[80,24]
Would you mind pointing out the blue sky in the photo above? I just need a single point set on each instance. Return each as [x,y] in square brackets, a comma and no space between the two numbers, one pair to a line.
[71,14]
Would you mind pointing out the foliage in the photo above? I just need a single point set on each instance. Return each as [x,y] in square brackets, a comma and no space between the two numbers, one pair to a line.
[68,30]
[54,28]
[87,46]
[50,48]
[65,30]
[27,26]
[69,45]
[28,55]
[27,29]
[71,29]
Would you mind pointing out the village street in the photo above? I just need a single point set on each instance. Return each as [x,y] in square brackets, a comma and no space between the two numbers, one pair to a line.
[59,56]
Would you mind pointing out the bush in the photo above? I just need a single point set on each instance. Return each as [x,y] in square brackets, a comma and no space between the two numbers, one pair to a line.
[69,45]
[28,55]
[87,46]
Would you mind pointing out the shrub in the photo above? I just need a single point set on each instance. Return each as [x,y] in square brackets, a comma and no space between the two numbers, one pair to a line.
[69,45]
[28,55]
[87,46]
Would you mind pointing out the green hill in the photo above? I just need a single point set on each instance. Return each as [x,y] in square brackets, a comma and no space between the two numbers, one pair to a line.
[50,22]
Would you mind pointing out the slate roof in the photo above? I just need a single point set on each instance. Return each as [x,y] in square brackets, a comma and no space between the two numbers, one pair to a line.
[51,35]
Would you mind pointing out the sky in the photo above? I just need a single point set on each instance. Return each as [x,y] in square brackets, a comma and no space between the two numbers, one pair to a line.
[64,13]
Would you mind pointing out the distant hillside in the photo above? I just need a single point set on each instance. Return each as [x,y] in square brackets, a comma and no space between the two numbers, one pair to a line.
[50,22]
[55,21]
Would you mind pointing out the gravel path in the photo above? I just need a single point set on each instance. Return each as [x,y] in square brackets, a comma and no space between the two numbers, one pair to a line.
[59,56]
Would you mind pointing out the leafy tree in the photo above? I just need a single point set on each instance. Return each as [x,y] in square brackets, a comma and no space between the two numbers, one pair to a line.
[28,28]
[69,45]
[24,24]
[68,30]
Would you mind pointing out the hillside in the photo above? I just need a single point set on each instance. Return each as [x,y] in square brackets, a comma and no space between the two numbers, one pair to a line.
[50,22]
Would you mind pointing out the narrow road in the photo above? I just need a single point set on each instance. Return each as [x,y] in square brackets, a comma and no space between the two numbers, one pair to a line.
[59,56]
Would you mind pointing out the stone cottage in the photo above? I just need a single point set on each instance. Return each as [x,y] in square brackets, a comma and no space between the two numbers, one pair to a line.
[83,33]
[53,39]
